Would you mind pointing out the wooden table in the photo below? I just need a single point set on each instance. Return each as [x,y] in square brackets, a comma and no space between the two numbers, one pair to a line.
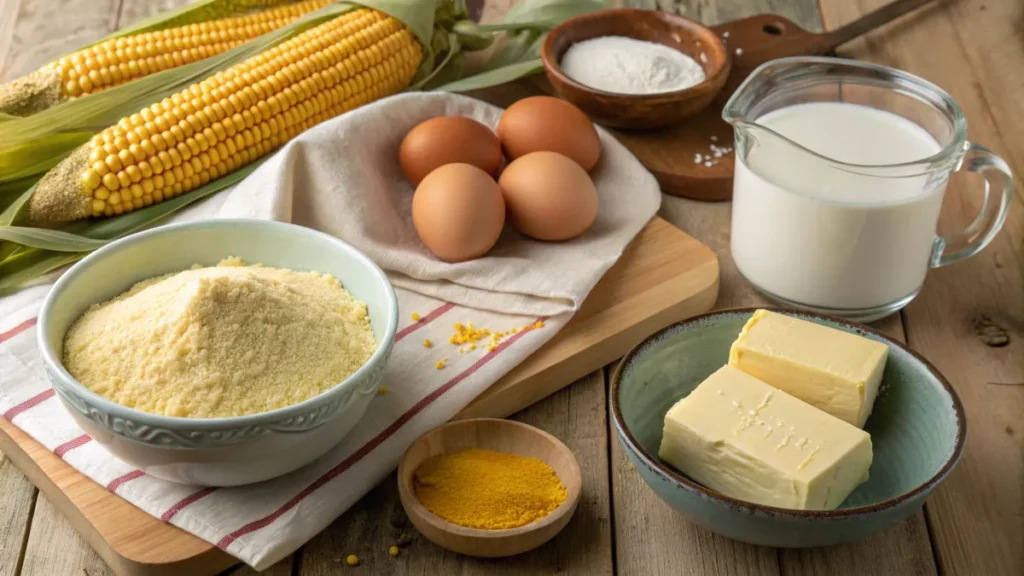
[972,525]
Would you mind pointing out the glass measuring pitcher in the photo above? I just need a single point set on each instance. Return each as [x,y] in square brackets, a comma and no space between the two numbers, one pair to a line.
[841,167]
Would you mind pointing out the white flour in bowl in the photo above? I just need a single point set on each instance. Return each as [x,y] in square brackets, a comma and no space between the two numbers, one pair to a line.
[622,65]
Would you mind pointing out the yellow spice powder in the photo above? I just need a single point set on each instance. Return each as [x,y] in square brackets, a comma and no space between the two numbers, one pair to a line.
[487,489]
[225,340]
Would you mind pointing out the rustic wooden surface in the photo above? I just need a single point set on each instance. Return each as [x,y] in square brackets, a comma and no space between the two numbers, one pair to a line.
[974,524]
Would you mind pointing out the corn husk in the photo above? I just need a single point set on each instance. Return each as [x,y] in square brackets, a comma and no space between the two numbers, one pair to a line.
[31,146]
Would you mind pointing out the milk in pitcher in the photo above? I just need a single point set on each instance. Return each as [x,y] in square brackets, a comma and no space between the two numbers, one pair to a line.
[828,237]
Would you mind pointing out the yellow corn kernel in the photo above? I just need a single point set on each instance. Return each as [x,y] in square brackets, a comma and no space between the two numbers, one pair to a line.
[415,317]
[90,179]
[427,343]
[393,551]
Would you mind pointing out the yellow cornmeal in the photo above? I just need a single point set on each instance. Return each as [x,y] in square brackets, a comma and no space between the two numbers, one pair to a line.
[218,341]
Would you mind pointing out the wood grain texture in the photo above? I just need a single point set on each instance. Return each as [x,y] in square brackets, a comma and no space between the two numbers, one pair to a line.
[989,35]
[46,29]
[56,549]
[576,416]
[17,498]
[977,516]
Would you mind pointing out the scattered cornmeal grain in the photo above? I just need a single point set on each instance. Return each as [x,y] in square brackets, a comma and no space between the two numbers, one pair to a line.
[220,341]
[415,317]
[393,551]
[352,560]
[382,390]
[470,334]
[488,489]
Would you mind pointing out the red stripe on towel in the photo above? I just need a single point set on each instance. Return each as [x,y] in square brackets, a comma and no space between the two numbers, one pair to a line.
[18,329]
[33,401]
[369,446]
[423,321]
[70,445]
[173,510]
[117,482]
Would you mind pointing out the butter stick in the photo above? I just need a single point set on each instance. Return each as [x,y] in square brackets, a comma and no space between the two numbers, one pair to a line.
[832,370]
[746,439]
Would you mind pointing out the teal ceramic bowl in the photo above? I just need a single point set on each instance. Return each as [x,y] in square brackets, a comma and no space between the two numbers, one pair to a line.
[218,451]
[917,431]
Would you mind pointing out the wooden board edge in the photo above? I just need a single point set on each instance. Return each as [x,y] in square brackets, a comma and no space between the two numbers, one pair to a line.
[503,402]
[17,446]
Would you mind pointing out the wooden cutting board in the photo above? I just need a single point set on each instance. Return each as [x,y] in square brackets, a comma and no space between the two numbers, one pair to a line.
[662,277]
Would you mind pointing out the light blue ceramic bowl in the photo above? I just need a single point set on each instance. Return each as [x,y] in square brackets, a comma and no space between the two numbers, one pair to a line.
[917,431]
[218,451]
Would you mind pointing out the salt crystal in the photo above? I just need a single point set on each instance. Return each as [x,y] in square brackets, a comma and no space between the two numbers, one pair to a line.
[708,164]
[703,57]
[739,51]
[698,158]
[725,34]
[714,138]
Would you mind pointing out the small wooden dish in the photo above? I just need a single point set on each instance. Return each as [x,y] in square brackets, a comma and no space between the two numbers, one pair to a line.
[503,436]
[639,111]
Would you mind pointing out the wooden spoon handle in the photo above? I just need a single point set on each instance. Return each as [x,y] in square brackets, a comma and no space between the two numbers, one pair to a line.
[869,22]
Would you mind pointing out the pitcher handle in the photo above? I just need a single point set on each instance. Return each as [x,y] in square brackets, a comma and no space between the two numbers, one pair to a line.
[986,225]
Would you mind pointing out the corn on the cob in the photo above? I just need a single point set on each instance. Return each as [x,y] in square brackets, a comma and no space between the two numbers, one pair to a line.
[123,59]
[232,118]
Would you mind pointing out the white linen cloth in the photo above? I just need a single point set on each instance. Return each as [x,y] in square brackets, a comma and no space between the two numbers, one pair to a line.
[342,177]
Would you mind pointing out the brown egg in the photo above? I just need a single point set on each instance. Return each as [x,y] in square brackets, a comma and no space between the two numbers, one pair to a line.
[549,124]
[548,196]
[447,140]
[458,212]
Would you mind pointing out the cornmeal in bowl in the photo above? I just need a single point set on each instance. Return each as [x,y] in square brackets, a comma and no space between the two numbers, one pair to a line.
[221,341]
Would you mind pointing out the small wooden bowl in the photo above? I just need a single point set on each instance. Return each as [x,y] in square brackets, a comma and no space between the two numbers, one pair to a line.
[503,436]
[639,111]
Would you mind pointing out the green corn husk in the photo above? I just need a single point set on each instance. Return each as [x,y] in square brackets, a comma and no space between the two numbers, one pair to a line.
[30,146]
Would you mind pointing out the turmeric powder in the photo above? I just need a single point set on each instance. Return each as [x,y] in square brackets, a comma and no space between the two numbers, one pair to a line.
[487,489]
